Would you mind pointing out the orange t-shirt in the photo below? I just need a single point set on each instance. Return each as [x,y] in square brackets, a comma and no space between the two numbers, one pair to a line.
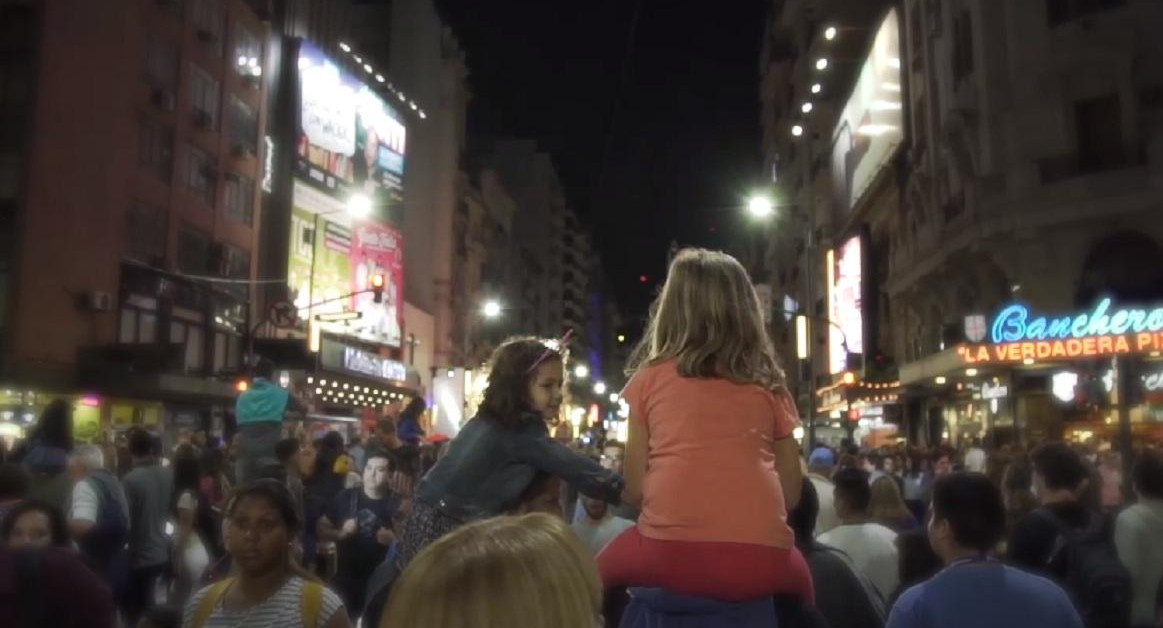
[710,474]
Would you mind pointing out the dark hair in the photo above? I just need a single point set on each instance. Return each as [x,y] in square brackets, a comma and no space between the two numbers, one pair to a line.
[506,397]
[973,507]
[58,529]
[287,448]
[1060,466]
[852,487]
[414,409]
[188,478]
[13,482]
[140,443]
[55,425]
[1148,475]
[163,617]
[802,518]
[212,460]
[916,560]
[276,494]
[264,368]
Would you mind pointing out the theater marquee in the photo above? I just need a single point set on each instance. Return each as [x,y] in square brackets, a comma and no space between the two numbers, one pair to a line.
[1017,335]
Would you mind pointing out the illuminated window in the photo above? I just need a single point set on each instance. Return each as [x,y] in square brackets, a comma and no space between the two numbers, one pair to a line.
[243,125]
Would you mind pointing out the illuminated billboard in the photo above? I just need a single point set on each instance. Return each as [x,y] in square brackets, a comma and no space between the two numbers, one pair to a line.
[845,307]
[350,140]
[350,145]
[871,126]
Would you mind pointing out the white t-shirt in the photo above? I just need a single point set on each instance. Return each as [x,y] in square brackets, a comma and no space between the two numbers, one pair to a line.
[85,502]
[826,519]
[975,460]
[872,549]
[282,610]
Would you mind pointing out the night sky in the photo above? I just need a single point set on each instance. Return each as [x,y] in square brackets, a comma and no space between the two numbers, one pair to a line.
[663,148]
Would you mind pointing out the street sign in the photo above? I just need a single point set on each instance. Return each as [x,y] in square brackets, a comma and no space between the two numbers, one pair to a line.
[283,314]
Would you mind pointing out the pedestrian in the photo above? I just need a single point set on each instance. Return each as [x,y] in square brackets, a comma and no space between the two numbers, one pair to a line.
[600,525]
[1017,491]
[846,598]
[1138,531]
[917,479]
[975,457]
[149,489]
[714,502]
[821,465]
[528,571]
[46,454]
[35,524]
[975,590]
[888,505]
[870,545]
[289,451]
[917,562]
[13,486]
[408,427]
[195,542]
[1068,541]
[267,589]
[496,456]
[1110,473]
[215,485]
[54,588]
[361,521]
[99,516]
[260,411]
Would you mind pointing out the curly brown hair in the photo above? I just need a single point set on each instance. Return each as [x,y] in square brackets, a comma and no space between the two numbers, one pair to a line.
[506,398]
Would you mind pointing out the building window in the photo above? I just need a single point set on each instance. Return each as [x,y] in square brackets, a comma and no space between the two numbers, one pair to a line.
[145,233]
[155,148]
[243,126]
[203,98]
[201,174]
[161,63]
[962,46]
[184,331]
[248,52]
[209,23]
[138,325]
[1099,123]
[1062,11]
[193,250]
[239,199]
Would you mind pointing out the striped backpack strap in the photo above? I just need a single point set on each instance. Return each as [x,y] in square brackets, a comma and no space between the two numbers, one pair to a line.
[211,599]
[311,603]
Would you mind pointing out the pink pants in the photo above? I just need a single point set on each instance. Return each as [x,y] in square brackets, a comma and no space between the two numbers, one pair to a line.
[731,572]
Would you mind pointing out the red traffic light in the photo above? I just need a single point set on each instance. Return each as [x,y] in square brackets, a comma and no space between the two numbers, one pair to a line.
[377,282]
[643,278]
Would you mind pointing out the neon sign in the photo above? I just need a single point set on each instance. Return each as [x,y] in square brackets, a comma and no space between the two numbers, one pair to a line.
[1019,336]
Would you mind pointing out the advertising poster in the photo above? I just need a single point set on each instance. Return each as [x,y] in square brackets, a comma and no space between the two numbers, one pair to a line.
[847,310]
[350,141]
[378,249]
[871,126]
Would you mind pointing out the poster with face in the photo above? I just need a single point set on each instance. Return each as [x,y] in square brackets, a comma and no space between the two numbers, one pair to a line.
[377,249]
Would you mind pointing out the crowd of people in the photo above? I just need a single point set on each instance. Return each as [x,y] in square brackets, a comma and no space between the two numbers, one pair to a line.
[709,514]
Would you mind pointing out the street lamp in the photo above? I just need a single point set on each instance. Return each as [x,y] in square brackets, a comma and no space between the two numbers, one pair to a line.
[600,388]
[614,397]
[760,207]
[491,309]
[359,206]
[581,371]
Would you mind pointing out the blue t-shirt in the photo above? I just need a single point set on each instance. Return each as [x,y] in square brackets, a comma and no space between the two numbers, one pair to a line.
[984,594]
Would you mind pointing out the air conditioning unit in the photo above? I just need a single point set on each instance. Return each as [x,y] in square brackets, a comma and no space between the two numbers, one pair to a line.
[163,99]
[202,118]
[100,301]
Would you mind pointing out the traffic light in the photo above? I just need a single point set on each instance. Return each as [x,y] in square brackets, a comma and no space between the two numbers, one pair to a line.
[378,288]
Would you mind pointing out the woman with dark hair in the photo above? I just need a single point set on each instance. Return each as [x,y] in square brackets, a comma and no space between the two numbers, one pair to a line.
[35,524]
[214,485]
[918,562]
[408,425]
[1017,492]
[46,455]
[195,540]
[268,589]
[845,598]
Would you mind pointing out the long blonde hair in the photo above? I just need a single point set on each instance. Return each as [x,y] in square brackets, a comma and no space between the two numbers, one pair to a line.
[708,318]
[529,571]
[887,503]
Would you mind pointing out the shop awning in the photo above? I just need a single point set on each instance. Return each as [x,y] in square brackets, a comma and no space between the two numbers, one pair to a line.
[929,367]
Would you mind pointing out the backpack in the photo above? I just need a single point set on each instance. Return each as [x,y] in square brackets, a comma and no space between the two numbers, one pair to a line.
[310,602]
[1087,564]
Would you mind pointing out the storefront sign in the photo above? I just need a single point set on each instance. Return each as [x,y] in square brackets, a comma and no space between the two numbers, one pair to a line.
[363,362]
[1153,382]
[994,391]
[1019,336]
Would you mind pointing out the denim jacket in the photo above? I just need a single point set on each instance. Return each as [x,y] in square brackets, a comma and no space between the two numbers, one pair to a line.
[489,466]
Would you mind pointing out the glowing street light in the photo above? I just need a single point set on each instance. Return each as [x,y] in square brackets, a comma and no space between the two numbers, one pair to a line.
[614,397]
[817,88]
[359,206]
[491,309]
[581,371]
[797,130]
[600,388]
[830,33]
[822,64]
[760,207]
[807,107]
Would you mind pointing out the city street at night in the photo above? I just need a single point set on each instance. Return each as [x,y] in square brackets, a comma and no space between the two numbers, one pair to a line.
[534,314]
